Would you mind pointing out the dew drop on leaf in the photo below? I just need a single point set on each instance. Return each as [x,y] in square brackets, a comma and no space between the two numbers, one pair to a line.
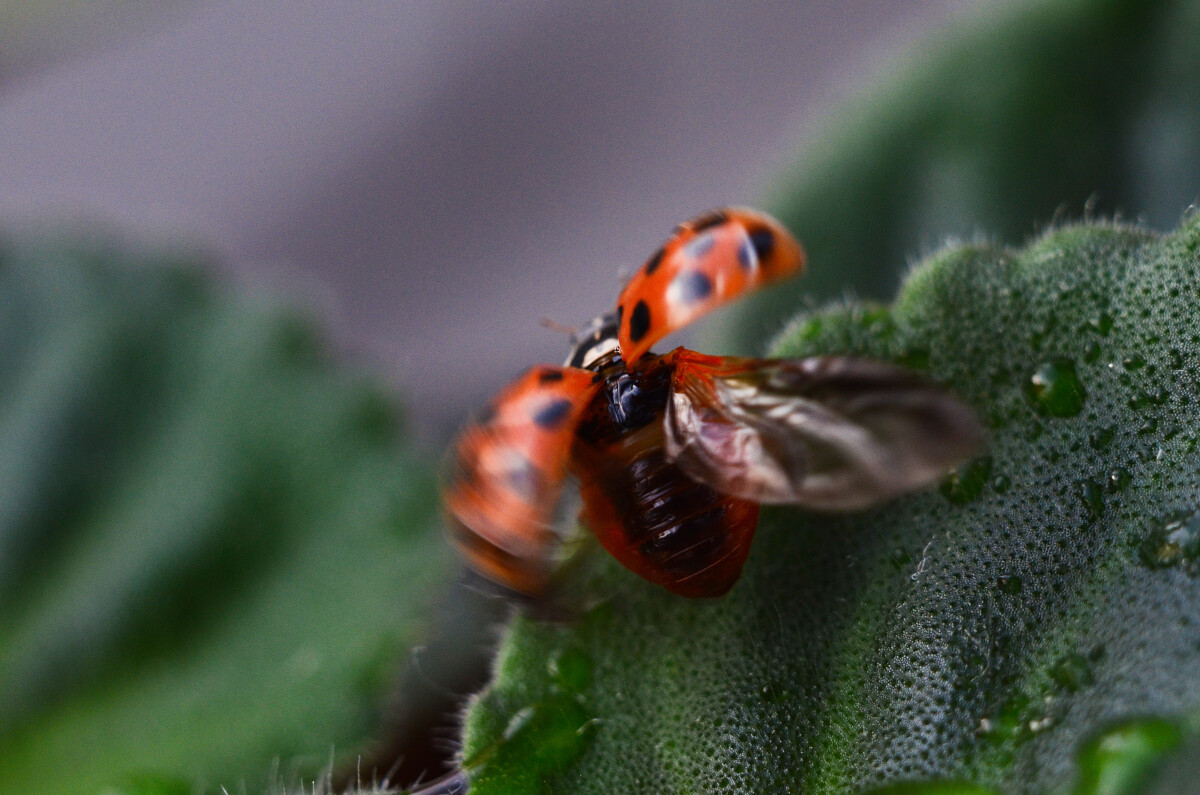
[1009,584]
[966,482]
[571,669]
[1056,390]
[1101,324]
[539,742]
[1171,541]
[1073,672]
[1119,479]
[1100,439]
[1091,494]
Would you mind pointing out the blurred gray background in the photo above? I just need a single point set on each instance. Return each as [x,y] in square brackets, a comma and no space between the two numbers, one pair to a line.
[433,177]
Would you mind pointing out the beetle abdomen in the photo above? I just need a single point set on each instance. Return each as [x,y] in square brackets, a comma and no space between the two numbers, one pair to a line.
[667,527]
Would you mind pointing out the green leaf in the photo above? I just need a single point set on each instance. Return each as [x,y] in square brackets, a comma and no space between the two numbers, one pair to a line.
[1119,759]
[214,546]
[981,633]
[1027,112]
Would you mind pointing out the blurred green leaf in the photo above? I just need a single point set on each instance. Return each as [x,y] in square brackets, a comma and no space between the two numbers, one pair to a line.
[1119,759]
[215,547]
[982,633]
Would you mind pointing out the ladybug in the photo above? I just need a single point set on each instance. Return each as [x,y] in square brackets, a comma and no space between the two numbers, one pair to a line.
[675,453]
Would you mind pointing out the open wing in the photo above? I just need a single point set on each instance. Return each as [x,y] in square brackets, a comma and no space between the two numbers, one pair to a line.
[507,474]
[832,433]
[708,262]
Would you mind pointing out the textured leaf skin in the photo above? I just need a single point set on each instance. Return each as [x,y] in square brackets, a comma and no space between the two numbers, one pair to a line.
[214,547]
[1022,113]
[979,633]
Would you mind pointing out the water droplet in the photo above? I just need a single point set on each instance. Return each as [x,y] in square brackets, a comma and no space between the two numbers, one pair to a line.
[1101,324]
[571,669]
[1102,438]
[778,692]
[1001,484]
[1091,495]
[1148,397]
[966,482]
[1134,362]
[1007,722]
[1009,584]
[1073,672]
[538,742]
[1024,716]
[1118,759]
[1119,479]
[1056,390]
[1093,352]
[1172,541]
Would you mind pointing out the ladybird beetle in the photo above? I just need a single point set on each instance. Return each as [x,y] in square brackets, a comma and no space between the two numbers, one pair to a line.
[674,454]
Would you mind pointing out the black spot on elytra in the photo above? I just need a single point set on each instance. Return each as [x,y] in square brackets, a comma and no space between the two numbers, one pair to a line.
[692,286]
[550,376]
[763,240]
[639,321]
[550,415]
[654,261]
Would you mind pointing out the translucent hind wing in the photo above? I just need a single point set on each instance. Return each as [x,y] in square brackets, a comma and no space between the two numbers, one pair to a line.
[829,433]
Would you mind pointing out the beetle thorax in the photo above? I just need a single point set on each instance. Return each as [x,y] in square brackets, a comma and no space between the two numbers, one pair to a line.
[593,342]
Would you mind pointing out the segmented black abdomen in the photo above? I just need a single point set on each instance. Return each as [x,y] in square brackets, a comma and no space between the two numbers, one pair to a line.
[652,517]
[675,522]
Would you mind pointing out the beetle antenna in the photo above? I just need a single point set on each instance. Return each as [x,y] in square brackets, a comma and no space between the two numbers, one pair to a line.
[554,325]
